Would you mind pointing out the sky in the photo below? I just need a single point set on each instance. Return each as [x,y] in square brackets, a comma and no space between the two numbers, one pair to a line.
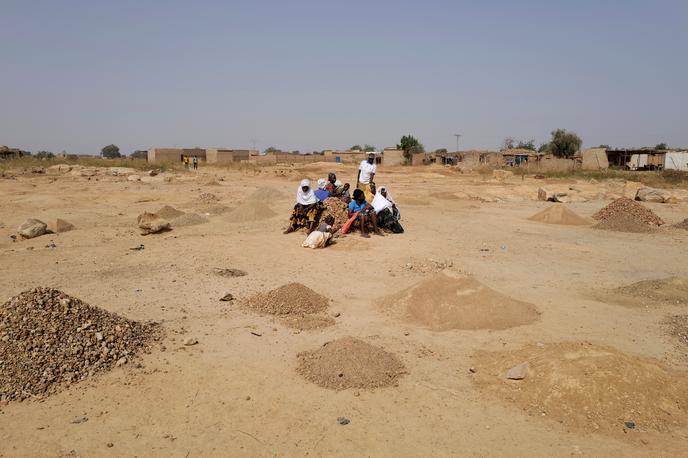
[313,75]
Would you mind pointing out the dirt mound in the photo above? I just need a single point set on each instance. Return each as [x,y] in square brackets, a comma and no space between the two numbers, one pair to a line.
[188,219]
[337,209]
[350,363]
[49,339]
[628,207]
[211,209]
[588,387]
[265,194]
[208,197]
[444,302]
[667,291]
[559,214]
[251,211]
[167,212]
[292,298]
[682,225]
[307,322]
[624,223]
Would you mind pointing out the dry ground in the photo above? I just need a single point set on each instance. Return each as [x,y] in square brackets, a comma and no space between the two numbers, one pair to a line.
[238,393]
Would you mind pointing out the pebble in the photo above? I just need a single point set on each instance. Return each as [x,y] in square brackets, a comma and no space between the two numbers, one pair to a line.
[518,372]
[343,421]
[190,341]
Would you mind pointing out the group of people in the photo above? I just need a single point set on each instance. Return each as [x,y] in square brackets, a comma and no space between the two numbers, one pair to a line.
[370,208]
[188,160]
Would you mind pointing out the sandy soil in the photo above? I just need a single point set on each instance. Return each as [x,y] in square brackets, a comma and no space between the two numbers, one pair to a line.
[237,392]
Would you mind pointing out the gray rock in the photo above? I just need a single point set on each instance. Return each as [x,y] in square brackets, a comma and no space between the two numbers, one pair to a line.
[32,228]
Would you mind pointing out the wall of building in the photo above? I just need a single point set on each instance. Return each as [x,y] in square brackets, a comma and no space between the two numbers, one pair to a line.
[393,157]
[594,159]
[676,160]
[165,154]
[418,159]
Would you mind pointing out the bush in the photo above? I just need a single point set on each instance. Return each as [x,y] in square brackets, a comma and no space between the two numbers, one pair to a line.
[564,144]
[110,152]
[410,145]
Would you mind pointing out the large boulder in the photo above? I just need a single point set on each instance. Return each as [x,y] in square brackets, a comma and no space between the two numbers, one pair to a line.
[32,228]
[651,195]
[150,223]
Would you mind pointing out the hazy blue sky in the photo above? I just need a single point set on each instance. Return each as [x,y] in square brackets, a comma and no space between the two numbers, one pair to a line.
[77,75]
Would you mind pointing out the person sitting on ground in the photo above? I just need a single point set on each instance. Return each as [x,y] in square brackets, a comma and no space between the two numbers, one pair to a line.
[321,237]
[366,173]
[307,211]
[366,213]
[321,193]
[387,212]
[331,185]
[345,195]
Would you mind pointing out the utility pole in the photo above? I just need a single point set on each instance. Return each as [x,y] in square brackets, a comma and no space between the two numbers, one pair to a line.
[457,141]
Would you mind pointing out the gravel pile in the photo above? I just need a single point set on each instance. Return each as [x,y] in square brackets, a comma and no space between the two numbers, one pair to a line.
[682,225]
[49,340]
[292,298]
[631,208]
[337,209]
[624,223]
[350,363]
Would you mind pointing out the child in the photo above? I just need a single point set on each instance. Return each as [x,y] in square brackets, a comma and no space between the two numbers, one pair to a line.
[321,237]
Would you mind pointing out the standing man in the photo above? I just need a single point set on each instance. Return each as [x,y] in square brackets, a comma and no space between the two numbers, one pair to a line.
[195,162]
[366,173]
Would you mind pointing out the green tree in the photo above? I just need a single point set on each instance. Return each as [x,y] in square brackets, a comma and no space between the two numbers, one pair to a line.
[410,145]
[271,149]
[530,144]
[661,146]
[544,148]
[564,144]
[140,154]
[356,148]
[368,148]
[110,152]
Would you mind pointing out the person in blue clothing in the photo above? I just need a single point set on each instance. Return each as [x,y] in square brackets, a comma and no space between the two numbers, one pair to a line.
[366,213]
[321,193]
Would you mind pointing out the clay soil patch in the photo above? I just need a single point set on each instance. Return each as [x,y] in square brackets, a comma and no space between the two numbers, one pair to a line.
[444,302]
[292,298]
[559,214]
[350,363]
[588,388]
[49,340]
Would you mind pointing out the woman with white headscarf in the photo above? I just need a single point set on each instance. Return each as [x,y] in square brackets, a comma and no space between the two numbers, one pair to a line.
[306,212]
[388,215]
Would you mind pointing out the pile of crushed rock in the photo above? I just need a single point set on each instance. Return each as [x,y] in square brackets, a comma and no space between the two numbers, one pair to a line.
[297,305]
[626,215]
[338,210]
[49,340]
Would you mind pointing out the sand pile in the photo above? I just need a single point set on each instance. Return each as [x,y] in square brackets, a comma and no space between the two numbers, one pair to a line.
[297,306]
[49,339]
[251,211]
[559,214]
[626,215]
[350,363]
[443,302]
[265,194]
[337,209]
[292,298]
[588,387]
[167,212]
[682,225]
[188,219]
[666,291]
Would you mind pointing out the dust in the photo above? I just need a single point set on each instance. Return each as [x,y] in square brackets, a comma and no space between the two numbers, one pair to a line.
[350,363]
[587,387]
[559,214]
[49,340]
[250,211]
[292,298]
[443,302]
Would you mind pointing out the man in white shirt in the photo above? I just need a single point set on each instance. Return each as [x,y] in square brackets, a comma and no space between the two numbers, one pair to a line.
[366,175]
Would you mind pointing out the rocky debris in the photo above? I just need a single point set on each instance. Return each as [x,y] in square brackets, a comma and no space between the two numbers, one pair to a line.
[350,363]
[37,170]
[292,298]
[624,223]
[32,228]
[631,208]
[343,421]
[208,197]
[651,195]
[229,272]
[153,172]
[133,178]
[150,223]
[61,225]
[337,209]
[678,327]
[518,372]
[49,339]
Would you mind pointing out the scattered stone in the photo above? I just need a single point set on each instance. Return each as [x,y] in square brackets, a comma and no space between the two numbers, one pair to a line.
[78,420]
[49,340]
[518,372]
[150,223]
[190,341]
[32,228]
[334,207]
[208,197]
[343,421]
[110,445]
[336,314]
[122,361]
[227,297]
[153,172]
[229,272]
[629,425]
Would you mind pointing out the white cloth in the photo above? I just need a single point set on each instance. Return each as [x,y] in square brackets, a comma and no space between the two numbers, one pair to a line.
[367,171]
[389,196]
[379,203]
[305,198]
[321,183]
[316,239]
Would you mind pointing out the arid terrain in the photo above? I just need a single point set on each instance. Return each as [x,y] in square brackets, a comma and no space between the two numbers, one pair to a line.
[437,316]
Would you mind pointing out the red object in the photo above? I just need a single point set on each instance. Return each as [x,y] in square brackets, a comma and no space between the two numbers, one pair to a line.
[347,225]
